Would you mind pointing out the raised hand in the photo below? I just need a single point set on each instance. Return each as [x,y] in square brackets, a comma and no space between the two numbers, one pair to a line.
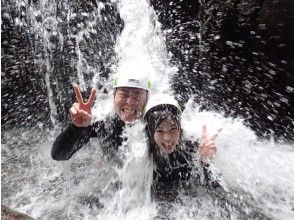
[207,148]
[80,112]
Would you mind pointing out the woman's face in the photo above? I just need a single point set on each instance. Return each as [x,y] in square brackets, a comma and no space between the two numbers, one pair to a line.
[167,136]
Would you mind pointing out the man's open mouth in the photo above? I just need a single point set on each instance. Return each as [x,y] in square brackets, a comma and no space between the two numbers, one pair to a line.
[129,111]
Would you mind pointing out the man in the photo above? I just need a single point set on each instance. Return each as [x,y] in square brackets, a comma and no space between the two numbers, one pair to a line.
[130,97]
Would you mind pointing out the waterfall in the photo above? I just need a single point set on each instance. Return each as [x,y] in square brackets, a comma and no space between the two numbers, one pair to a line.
[83,42]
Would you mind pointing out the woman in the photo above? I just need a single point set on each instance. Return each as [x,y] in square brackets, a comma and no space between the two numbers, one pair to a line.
[174,158]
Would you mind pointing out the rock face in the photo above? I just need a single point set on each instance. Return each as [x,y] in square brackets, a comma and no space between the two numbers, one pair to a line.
[45,46]
[9,214]
[236,57]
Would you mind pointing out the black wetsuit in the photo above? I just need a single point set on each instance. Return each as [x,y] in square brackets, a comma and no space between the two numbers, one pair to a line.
[73,138]
[178,170]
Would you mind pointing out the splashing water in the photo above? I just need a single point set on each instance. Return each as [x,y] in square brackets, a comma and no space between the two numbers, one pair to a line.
[252,167]
[256,173]
[141,45]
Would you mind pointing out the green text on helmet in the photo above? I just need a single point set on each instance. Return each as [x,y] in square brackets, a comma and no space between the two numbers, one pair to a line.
[132,80]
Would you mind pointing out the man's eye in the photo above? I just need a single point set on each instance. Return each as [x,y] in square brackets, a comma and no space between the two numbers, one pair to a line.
[136,98]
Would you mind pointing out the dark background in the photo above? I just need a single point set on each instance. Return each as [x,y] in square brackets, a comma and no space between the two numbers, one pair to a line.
[25,100]
[234,57]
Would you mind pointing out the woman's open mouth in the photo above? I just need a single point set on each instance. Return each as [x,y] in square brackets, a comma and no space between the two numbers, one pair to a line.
[168,146]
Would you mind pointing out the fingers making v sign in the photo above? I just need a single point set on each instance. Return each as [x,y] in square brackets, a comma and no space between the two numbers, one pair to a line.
[80,112]
[207,148]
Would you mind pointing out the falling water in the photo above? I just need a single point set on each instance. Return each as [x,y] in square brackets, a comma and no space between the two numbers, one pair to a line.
[141,46]
[255,173]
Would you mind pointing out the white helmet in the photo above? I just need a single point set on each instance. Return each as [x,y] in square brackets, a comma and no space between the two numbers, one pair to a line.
[161,99]
[132,80]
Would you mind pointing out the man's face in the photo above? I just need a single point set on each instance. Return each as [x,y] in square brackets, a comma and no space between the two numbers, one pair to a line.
[129,103]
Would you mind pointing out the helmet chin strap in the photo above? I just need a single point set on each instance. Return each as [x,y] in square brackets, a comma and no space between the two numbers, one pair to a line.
[133,122]
[139,119]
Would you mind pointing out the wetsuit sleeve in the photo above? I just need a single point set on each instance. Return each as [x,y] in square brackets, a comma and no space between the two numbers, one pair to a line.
[72,139]
[210,182]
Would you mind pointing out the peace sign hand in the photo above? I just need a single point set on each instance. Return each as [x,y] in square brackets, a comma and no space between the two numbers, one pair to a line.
[80,112]
[207,148]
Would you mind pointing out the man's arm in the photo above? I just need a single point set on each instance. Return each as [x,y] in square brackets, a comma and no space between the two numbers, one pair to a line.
[71,140]
[79,132]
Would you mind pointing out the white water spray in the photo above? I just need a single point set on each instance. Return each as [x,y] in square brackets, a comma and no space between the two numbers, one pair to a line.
[259,168]
[141,46]
[85,187]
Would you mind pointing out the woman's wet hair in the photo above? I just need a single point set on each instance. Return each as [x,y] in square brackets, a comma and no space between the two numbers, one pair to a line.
[157,115]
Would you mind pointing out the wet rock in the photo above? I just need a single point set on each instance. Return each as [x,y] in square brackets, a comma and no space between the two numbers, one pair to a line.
[235,57]
[45,46]
[9,214]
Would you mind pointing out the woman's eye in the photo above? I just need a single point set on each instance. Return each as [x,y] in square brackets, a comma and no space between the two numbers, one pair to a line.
[159,131]
[174,129]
